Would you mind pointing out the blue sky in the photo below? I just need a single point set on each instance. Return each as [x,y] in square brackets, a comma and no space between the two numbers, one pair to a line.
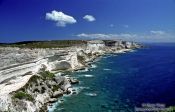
[136,20]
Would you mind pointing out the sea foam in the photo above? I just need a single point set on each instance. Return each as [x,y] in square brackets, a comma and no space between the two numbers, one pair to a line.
[90,94]
[93,66]
[106,69]
[88,76]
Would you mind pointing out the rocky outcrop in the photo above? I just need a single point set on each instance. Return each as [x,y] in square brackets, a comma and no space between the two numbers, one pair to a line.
[26,80]
[57,94]
[74,81]
[63,65]
[41,89]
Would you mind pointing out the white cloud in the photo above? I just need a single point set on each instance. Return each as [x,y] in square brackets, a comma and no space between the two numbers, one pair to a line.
[158,32]
[111,25]
[60,18]
[95,36]
[156,36]
[107,36]
[126,26]
[166,37]
[89,18]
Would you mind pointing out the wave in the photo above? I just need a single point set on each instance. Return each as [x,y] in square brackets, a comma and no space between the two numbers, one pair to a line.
[58,74]
[63,99]
[93,66]
[106,69]
[88,76]
[132,51]
[85,70]
[90,94]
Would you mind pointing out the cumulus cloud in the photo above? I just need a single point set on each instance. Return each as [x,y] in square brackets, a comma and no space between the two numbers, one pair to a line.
[158,32]
[89,18]
[60,18]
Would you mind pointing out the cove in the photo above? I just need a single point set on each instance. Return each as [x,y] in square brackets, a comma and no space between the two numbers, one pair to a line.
[125,81]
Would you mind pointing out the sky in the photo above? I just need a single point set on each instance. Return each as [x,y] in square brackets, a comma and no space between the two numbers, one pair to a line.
[133,20]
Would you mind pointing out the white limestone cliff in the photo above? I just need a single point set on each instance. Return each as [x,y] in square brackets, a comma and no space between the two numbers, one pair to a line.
[17,66]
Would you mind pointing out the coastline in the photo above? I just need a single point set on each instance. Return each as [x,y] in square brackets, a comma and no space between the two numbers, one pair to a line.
[78,60]
[78,89]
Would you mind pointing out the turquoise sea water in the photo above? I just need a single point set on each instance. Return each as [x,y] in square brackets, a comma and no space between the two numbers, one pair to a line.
[119,83]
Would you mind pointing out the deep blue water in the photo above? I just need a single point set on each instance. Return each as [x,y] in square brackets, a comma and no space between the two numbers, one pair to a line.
[122,82]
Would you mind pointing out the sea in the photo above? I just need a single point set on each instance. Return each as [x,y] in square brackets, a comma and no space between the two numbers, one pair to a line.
[124,82]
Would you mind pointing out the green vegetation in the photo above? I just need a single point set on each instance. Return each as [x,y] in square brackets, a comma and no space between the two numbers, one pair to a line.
[55,88]
[89,54]
[34,79]
[45,44]
[170,109]
[81,59]
[47,75]
[22,95]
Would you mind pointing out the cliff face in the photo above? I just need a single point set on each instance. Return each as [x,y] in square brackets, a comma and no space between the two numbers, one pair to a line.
[19,66]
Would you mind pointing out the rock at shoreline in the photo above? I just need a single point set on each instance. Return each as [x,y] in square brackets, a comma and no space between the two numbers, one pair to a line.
[59,79]
[57,94]
[74,81]
[52,100]
[65,85]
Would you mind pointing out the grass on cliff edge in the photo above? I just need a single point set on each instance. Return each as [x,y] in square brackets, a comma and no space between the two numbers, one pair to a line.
[45,44]
[47,75]
[22,95]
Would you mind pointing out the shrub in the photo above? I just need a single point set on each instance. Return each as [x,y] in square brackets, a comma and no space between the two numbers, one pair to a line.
[22,95]
[55,88]
[81,59]
[47,75]
[34,79]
